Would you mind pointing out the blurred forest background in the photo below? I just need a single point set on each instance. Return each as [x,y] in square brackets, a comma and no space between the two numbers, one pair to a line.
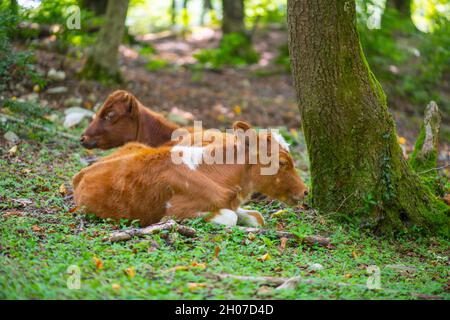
[210,60]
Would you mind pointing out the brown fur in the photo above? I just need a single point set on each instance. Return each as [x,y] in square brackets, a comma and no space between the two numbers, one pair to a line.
[137,182]
[122,119]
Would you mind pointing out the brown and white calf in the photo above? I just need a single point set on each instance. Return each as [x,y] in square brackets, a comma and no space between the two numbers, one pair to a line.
[122,119]
[142,183]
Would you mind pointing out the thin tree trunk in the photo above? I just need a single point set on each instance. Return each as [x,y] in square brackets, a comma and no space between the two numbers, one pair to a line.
[207,7]
[173,12]
[97,6]
[14,7]
[103,61]
[233,16]
[357,166]
[403,8]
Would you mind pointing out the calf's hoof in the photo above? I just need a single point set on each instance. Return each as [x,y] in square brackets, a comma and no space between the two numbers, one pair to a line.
[251,218]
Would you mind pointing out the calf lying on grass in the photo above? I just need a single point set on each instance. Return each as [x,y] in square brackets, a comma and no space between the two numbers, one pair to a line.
[122,119]
[142,183]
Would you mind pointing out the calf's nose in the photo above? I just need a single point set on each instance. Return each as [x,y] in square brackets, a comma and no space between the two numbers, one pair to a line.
[82,139]
[305,193]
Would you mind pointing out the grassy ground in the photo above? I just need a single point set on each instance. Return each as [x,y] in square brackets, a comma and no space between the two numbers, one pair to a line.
[40,239]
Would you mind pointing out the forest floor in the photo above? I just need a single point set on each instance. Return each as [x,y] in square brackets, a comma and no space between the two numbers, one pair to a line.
[41,236]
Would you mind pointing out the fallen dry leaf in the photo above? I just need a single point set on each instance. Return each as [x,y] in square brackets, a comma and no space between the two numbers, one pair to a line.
[401,140]
[12,151]
[130,272]
[354,254]
[36,228]
[12,213]
[98,263]
[115,286]
[348,275]
[63,190]
[198,265]
[283,241]
[72,210]
[279,213]
[251,236]
[216,252]
[193,285]
[265,257]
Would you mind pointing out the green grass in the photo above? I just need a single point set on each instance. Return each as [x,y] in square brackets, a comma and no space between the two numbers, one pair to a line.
[40,239]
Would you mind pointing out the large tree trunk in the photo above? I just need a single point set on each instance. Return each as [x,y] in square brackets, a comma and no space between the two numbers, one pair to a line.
[233,16]
[102,63]
[357,166]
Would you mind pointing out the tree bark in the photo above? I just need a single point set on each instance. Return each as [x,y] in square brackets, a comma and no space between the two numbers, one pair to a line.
[357,167]
[233,16]
[102,63]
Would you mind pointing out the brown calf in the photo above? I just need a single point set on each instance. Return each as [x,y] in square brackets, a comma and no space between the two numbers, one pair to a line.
[122,119]
[141,183]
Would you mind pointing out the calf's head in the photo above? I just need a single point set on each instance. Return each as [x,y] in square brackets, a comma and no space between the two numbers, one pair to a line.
[116,123]
[283,183]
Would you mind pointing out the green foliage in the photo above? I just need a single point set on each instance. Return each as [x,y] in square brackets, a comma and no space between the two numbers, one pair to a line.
[50,13]
[13,65]
[156,64]
[283,57]
[235,49]
[409,63]
[266,11]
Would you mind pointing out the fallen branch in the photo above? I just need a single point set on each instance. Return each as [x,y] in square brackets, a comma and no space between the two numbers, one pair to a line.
[41,127]
[266,280]
[190,232]
[309,240]
[152,229]
[283,283]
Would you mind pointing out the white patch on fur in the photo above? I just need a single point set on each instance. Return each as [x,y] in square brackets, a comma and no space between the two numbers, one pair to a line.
[191,156]
[244,218]
[225,217]
[281,141]
[168,205]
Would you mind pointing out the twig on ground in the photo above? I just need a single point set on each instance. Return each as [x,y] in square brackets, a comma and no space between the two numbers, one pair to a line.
[152,229]
[309,240]
[190,232]
[283,283]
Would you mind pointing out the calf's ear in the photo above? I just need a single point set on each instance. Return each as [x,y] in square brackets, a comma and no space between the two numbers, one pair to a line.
[241,125]
[132,103]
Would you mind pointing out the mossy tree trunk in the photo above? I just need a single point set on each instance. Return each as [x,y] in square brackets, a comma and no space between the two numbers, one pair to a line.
[357,167]
[102,63]
[233,16]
